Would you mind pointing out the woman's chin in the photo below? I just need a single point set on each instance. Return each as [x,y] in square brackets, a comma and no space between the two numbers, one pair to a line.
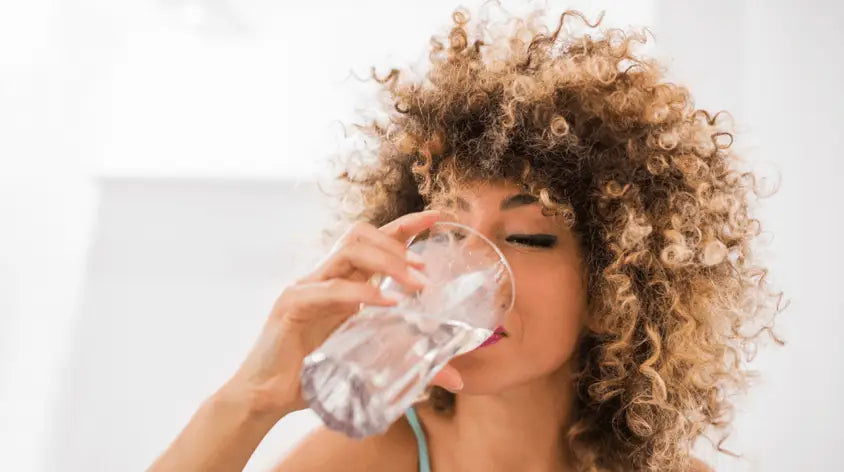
[483,385]
[483,372]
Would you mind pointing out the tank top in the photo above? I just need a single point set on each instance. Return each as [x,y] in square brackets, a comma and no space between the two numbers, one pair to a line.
[421,443]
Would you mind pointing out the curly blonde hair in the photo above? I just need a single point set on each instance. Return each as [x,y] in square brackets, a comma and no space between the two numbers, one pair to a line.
[648,183]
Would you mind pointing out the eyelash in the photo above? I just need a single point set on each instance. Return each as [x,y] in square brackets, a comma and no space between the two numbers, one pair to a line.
[537,240]
[543,241]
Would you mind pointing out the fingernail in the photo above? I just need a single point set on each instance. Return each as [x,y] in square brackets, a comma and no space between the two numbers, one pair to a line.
[418,276]
[415,258]
[458,386]
[391,296]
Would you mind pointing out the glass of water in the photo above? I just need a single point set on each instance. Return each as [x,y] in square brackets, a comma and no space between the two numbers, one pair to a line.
[373,367]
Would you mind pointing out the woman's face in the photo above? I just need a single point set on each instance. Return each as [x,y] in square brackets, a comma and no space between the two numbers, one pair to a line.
[542,329]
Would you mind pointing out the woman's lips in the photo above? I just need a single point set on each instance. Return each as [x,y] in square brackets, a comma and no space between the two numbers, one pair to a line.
[496,336]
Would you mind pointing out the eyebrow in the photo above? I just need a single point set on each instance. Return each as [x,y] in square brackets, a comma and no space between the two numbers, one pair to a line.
[513,201]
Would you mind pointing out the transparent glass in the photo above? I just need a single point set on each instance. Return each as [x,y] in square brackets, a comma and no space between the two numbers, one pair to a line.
[373,367]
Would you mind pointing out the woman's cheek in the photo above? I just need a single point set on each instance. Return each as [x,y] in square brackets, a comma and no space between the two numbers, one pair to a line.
[555,312]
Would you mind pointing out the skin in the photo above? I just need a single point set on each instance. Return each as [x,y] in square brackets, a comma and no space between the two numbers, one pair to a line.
[515,396]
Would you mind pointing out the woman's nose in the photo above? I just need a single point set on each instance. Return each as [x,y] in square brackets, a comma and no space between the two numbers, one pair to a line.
[474,242]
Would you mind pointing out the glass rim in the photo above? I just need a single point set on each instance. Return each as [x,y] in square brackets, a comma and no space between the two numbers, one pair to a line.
[495,247]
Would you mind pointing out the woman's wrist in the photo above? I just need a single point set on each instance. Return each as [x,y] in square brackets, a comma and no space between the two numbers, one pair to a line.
[257,403]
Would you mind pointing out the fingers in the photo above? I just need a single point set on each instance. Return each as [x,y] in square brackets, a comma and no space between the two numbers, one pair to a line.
[352,251]
[320,295]
[404,227]
[365,232]
[368,259]
[448,378]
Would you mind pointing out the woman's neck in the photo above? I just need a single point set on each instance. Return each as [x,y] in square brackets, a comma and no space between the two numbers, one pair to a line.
[522,428]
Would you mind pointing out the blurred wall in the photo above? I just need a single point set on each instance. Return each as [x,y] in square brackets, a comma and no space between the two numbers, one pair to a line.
[179,279]
[773,65]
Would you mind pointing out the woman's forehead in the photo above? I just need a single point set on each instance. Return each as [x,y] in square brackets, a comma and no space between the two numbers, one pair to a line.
[504,199]
[493,190]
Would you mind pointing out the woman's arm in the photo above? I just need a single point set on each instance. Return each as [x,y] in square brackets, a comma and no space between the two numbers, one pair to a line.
[221,435]
[230,424]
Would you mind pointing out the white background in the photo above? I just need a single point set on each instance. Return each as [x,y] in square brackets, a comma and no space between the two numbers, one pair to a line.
[157,168]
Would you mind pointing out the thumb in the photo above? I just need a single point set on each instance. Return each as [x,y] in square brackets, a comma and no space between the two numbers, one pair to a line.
[448,378]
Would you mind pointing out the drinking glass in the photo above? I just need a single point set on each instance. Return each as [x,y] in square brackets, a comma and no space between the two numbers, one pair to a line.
[373,367]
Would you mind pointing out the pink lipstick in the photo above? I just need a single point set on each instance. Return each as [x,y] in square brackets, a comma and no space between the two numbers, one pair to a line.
[496,336]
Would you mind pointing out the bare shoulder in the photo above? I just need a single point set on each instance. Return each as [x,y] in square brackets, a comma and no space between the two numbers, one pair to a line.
[700,466]
[327,450]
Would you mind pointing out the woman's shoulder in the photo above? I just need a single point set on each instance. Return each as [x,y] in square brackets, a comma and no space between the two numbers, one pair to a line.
[700,466]
[327,450]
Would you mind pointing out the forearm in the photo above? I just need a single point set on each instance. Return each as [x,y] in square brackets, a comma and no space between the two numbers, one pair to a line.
[221,435]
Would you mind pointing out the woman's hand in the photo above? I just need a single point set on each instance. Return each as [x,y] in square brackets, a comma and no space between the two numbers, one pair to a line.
[309,310]
[228,426]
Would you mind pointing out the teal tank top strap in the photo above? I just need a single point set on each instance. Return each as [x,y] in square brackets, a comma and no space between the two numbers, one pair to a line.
[421,443]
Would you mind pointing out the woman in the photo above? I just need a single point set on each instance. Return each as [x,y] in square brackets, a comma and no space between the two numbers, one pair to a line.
[626,222]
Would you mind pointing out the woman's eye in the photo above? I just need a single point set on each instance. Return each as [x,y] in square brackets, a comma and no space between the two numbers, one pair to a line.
[533,240]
